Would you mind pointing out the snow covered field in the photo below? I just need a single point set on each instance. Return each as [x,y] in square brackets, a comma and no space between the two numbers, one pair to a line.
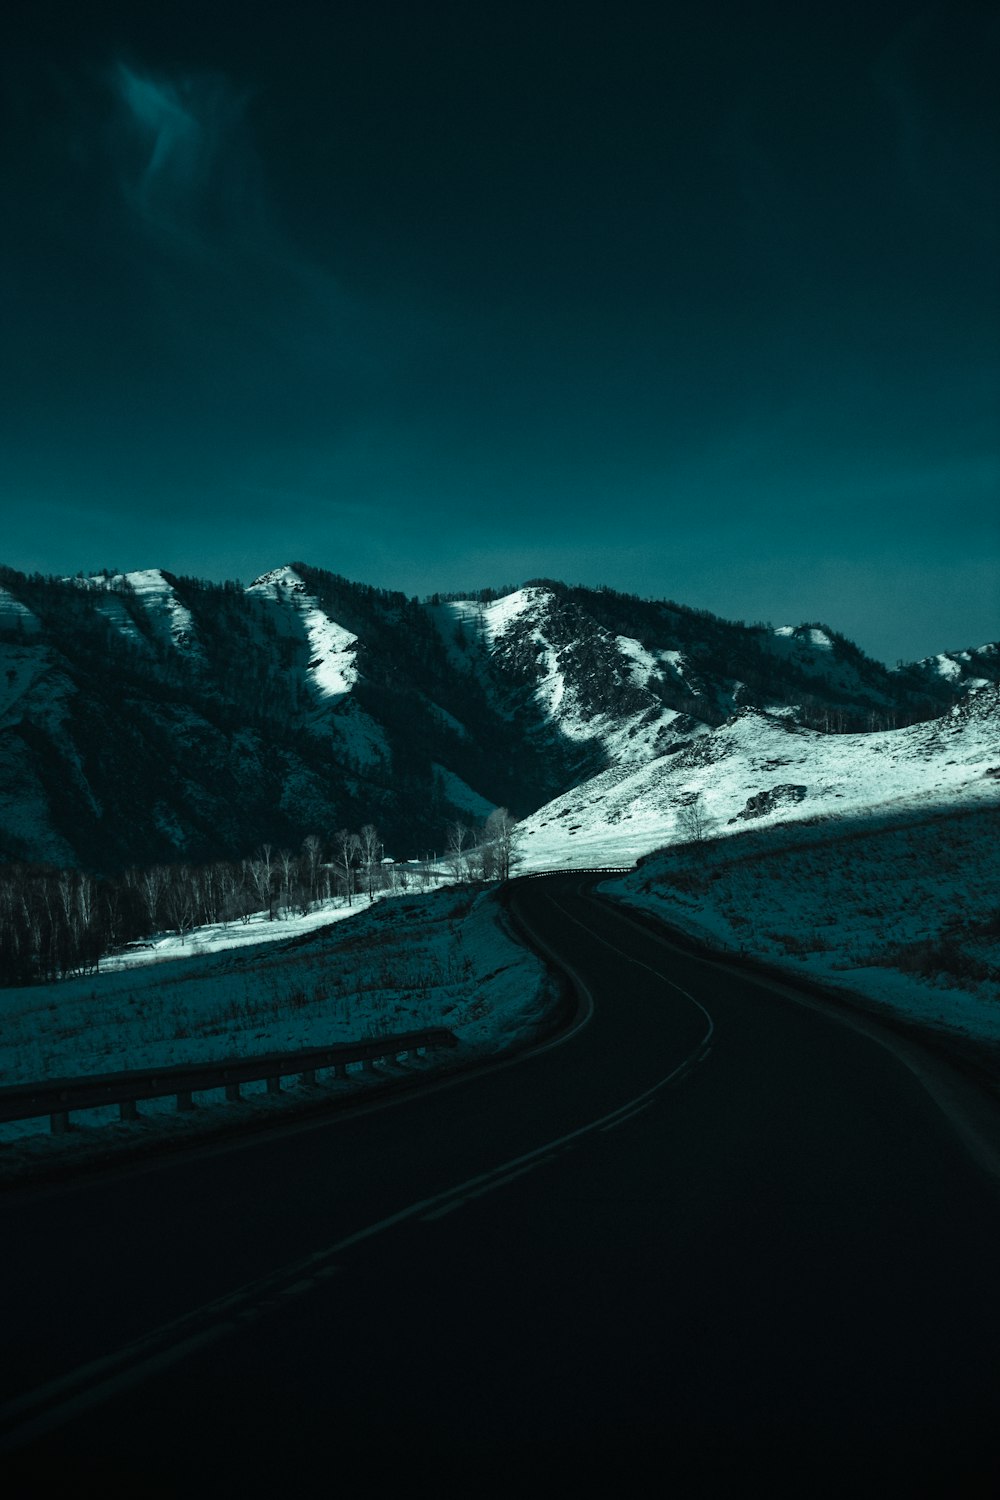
[257,929]
[439,959]
[901,909]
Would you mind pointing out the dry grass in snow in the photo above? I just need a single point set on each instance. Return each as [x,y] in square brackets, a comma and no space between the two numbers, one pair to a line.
[441,959]
[904,910]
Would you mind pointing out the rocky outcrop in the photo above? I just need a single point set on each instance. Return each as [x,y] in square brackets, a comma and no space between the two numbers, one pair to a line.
[786,795]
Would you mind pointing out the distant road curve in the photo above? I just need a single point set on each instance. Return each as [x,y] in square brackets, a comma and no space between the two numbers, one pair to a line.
[705,1227]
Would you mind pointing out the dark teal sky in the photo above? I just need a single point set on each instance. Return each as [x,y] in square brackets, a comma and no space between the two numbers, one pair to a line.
[700,301]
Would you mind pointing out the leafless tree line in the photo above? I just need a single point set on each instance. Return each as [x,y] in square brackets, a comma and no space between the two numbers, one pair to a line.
[55,923]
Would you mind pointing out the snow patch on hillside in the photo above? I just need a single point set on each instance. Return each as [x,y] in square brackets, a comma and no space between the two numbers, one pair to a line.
[107,597]
[483,623]
[171,621]
[461,795]
[642,664]
[360,739]
[112,607]
[17,616]
[946,666]
[500,614]
[975,668]
[21,667]
[448,720]
[814,652]
[332,669]
[628,810]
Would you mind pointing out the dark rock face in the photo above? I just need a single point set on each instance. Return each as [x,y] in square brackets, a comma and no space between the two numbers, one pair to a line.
[768,802]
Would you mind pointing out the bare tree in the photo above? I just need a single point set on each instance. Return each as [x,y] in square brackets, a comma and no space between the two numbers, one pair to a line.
[286,864]
[312,854]
[262,877]
[211,888]
[693,822]
[498,842]
[456,838]
[370,852]
[181,899]
[232,881]
[150,885]
[477,858]
[346,858]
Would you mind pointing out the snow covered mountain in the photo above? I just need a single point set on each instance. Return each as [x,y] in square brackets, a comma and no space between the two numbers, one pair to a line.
[757,769]
[147,717]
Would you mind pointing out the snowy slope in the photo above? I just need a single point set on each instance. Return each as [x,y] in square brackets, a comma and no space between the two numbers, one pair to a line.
[443,958]
[605,676]
[969,670]
[36,696]
[331,669]
[623,812]
[328,666]
[461,796]
[170,620]
[898,908]
[813,651]
[146,595]
[146,717]
[580,684]
[17,617]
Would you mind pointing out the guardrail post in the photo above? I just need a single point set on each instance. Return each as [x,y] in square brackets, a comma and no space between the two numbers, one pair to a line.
[127,1090]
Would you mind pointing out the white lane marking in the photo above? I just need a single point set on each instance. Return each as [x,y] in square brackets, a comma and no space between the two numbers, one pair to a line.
[630,1116]
[968,1109]
[61,1400]
[638,962]
[489,1187]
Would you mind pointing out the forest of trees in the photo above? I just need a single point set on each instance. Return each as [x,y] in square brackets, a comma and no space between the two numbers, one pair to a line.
[57,923]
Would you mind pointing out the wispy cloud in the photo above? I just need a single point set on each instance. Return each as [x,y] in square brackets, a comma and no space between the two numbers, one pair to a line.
[226,285]
[185,162]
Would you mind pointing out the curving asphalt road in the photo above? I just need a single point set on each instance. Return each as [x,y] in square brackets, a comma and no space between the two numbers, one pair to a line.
[707,1236]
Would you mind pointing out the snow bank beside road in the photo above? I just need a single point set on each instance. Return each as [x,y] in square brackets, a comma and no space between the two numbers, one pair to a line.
[442,959]
[902,910]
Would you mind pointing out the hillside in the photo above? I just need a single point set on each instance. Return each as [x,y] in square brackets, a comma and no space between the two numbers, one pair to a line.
[757,770]
[146,717]
[900,908]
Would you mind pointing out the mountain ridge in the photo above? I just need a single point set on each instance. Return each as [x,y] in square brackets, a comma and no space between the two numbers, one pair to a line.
[150,717]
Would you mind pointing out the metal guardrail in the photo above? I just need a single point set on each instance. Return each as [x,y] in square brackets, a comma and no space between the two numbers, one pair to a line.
[57,1097]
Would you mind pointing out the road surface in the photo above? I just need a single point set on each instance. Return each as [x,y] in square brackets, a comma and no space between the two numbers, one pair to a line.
[708,1229]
